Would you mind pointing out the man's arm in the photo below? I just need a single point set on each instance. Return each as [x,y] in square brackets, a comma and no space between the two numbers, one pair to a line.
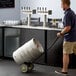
[65,30]
[67,25]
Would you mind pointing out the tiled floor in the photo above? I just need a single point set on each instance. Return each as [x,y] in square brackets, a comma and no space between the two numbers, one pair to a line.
[10,68]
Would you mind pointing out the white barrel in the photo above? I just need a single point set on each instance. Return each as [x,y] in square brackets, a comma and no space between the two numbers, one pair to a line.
[28,52]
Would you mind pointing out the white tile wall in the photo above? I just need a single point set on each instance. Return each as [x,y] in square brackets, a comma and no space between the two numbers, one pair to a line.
[54,5]
[11,13]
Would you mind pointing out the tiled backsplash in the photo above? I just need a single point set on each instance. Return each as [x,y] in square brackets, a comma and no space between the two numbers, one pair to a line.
[54,5]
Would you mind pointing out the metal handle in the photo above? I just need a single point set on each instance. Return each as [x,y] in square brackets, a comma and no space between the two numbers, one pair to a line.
[53,42]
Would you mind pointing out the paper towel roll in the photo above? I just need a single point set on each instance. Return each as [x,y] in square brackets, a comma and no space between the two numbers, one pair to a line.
[28,52]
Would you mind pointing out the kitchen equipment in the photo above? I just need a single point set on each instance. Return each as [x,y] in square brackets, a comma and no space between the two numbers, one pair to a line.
[11,22]
[43,11]
[54,22]
[34,21]
[27,10]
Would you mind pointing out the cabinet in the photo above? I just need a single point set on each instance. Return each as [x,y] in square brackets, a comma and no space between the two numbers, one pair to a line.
[11,41]
[28,34]
[54,54]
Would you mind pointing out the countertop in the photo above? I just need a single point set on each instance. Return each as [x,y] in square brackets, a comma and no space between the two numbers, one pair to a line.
[30,27]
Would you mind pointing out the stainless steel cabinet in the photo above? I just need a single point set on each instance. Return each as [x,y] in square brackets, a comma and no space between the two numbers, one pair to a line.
[54,54]
[11,41]
[27,34]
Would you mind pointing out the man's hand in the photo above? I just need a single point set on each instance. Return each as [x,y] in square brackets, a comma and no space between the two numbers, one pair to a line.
[65,30]
[59,34]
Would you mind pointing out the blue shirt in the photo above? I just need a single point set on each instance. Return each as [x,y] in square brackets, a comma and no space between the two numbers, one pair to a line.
[70,20]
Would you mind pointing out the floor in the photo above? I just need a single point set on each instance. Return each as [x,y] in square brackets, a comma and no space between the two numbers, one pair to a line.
[10,68]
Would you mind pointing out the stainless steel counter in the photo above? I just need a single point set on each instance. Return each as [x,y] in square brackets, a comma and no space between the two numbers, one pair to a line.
[19,34]
[31,27]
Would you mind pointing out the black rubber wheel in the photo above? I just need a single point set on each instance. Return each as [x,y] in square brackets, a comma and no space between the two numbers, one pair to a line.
[24,68]
[30,67]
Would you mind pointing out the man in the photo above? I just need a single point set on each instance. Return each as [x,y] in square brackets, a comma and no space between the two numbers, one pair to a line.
[69,33]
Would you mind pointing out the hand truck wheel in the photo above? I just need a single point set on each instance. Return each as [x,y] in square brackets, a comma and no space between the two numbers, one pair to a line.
[31,66]
[24,68]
